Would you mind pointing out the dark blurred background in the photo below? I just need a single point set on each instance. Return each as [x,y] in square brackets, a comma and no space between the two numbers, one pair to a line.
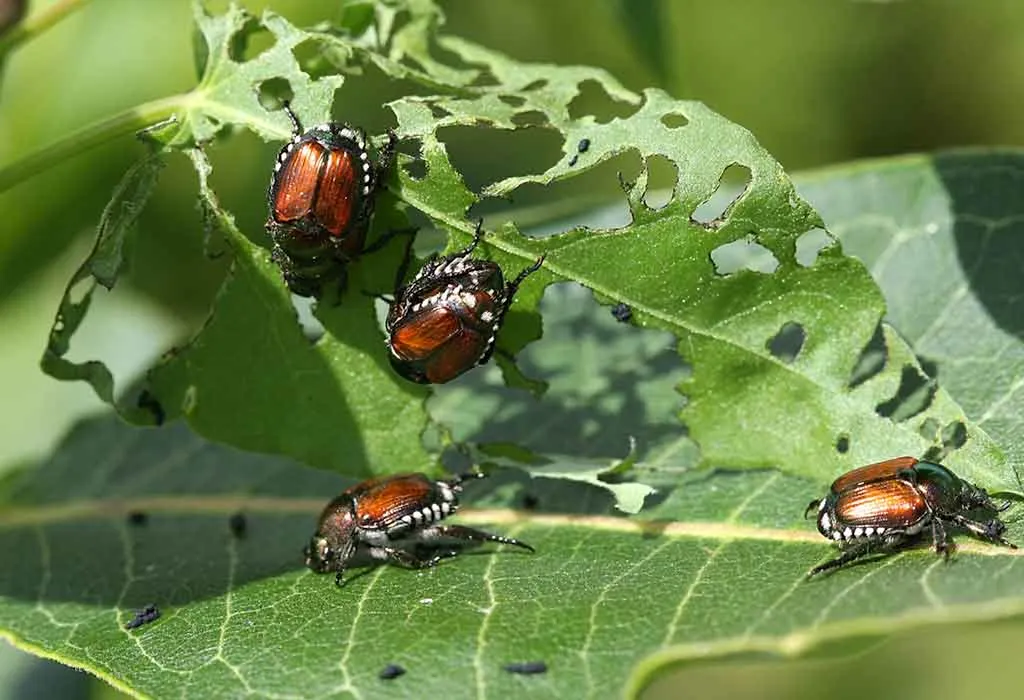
[818,82]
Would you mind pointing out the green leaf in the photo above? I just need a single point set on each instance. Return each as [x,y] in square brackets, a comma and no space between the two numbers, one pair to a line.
[103,265]
[251,379]
[228,90]
[942,236]
[726,553]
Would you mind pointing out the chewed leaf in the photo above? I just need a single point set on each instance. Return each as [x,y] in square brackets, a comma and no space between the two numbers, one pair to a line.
[253,378]
[629,495]
[239,613]
[943,237]
[772,335]
[102,267]
[229,87]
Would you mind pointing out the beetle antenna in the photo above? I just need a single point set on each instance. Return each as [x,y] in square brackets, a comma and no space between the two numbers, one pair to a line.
[478,235]
[512,286]
[811,506]
[296,125]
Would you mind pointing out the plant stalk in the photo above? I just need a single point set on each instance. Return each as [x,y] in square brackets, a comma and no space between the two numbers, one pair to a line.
[89,137]
[37,24]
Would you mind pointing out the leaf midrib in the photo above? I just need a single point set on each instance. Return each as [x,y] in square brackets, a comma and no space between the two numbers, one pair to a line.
[225,506]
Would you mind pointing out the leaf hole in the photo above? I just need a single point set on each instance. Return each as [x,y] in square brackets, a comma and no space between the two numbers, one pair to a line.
[743,254]
[662,175]
[310,56]
[843,444]
[929,429]
[575,202]
[535,85]
[929,367]
[674,120]
[954,435]
[732,185]
[592,100]
[788,342]
[273,93]
[484,155]
[914,394]
[529,118]
[350,104]
[809,244]
[415,168]
[512,100]
[484,78]
[438,112]
[80,289]
[250,41]
[871,361]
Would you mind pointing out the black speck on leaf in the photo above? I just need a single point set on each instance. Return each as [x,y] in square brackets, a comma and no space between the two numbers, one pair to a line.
[137,517]
[142,617]
[527,667]
[391,671]
[583,145]
[622,313]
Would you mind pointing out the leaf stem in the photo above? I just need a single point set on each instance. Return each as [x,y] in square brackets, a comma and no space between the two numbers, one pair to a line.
[38,23]
[89,137]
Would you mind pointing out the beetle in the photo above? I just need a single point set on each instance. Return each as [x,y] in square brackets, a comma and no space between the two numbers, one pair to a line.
[446,320]
[883,505]
[393,519]
[321,198]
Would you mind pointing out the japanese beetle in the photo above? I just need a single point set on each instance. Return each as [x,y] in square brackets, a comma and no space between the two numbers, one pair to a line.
[446,320]
[883,505]
[321,198]
[393,519]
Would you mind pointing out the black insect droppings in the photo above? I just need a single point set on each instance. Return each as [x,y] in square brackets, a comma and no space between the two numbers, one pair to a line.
[391,671]
[142,617]
[238,525]
[583,145]
[572,161]
[137,518]
[527,668]
[622,313]
[530,502]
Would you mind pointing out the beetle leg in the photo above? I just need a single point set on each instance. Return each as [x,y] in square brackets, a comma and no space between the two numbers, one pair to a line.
[848,555]
[469,534]
[408,559]
[857,551]
[940,540]
[991,530]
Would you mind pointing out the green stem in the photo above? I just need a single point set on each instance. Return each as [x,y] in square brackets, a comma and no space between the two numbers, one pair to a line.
[38,23]
[85,139]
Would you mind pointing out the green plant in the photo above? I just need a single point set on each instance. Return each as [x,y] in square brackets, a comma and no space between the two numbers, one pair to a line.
[712,562]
